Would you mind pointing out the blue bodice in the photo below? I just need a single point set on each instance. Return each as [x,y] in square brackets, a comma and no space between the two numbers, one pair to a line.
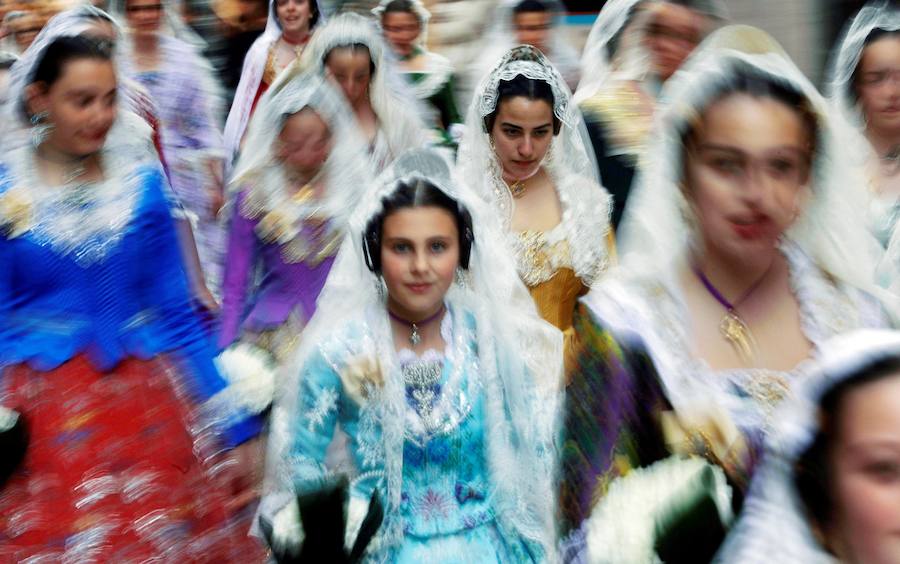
[97,271]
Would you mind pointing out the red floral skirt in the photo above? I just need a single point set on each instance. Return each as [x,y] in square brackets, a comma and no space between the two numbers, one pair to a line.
[112,473]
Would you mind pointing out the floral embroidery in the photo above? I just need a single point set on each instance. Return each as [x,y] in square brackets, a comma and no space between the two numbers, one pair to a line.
[360,376]
[433,506]
[15,213]
[326,402]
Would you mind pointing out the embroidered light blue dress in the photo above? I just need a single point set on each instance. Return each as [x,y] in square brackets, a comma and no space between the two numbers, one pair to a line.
[449,502]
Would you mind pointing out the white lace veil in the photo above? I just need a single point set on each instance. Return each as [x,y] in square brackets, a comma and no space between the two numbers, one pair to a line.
[419,9]
[401,117]
[615,48]
[251,75]
[520,367]
[882,15]
[570,156]
[345,173]
[773,527]
[831,228]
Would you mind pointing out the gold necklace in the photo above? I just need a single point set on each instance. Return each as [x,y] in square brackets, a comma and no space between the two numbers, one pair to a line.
[517,189]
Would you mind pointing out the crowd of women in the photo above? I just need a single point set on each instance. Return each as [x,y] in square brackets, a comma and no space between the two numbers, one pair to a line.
[387,310]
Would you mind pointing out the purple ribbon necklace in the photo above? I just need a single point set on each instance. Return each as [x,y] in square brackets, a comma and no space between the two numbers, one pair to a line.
[414,337]
[734,329]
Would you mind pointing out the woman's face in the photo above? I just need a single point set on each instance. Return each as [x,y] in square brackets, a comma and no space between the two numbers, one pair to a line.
[533,28]
[866,468]
[672,33]
[419,256]
[294,17]
[521,135]
[747,167]
[401,29]
[878,85]
[81,106]
[144,16]
[304,142]
[351,70]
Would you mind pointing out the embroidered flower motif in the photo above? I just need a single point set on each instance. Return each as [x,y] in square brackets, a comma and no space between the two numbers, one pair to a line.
[361,376]
[326,402]
[15,214]
[433,506]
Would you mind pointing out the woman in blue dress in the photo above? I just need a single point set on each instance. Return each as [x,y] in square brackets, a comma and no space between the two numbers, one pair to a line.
[428,351]
[101,351]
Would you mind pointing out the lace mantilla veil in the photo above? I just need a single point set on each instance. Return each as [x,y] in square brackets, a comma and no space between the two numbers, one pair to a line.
[345,173]
[831,229]
[773,527]
[570,156]
[401,117]
[882,15]
[519,357]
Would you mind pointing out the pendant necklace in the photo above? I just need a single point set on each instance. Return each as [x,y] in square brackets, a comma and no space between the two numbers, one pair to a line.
[517,189]
[414,337]
[732,327]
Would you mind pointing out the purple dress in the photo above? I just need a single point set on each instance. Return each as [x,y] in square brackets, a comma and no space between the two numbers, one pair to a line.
[284,298]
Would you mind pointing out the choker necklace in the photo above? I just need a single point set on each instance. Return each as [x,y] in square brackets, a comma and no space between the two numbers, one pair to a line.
[414,337]
[732,327]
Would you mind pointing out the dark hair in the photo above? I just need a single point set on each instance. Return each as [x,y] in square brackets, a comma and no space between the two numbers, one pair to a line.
[526,6]
[752,82]
[64,50]
[528,88]
[416,194]
[874,35]
[352,47]
[813,473]
[401,6]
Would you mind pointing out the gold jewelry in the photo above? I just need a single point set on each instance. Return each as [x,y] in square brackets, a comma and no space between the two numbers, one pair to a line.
[518,188]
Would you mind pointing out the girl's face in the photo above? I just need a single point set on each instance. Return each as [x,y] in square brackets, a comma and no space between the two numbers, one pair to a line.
[672,33]
[144,16]
[521,136]
[401,29]
[304,142]
[878,85]
[865,462]
[294,16]
[419,256]
[80,105]
[747,167]
[351,70]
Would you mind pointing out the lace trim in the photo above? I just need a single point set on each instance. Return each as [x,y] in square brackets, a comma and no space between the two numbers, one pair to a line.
[87,221]
[584,223]
[541,255]
[297,222]
[530,63]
